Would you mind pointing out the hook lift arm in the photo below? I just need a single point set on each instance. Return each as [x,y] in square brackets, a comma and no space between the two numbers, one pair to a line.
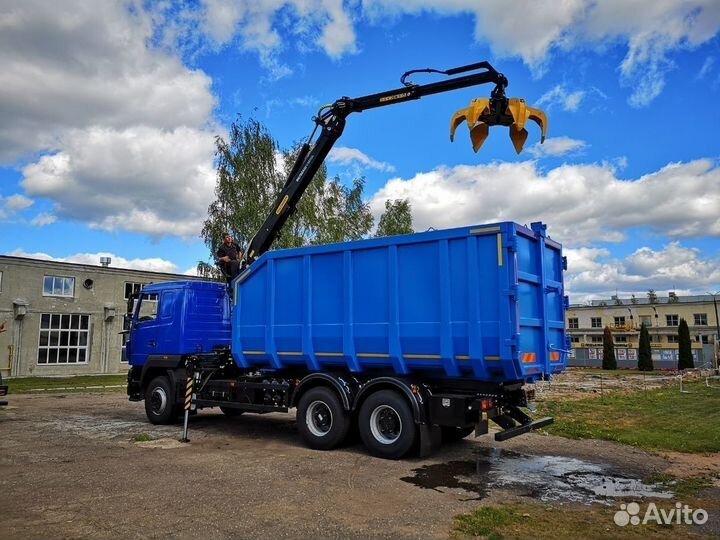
[331,121]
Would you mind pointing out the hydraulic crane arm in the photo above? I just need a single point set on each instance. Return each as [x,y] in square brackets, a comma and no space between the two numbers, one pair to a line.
[331,121]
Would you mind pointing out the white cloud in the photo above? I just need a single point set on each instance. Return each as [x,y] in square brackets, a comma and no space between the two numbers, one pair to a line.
[559,95]
[126,127]
[584,259]
[43,219]
[152,264]
[706,67]
[651,31]
[323,24]
[346,156]
[674,267]
[557,146]
[139,179]
[583,204]
[18,202]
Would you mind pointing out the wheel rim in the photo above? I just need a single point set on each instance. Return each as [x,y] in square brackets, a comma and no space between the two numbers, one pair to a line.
[319,419]
[385,424]
[158,401]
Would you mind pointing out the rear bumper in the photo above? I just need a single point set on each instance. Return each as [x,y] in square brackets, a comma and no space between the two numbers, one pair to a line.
[509,433]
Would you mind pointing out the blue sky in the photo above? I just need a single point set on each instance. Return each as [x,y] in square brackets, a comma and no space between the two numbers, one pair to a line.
[110,112]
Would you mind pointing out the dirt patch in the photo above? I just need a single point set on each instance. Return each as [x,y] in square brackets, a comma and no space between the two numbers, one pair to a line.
[70,468]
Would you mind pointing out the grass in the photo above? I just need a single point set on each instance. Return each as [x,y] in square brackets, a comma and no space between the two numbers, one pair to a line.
[682,487]
[142,437]
[617,372]
[24,385]
[662,419]
[522,521]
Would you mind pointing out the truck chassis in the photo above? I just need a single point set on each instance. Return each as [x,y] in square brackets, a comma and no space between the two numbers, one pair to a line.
[394,415]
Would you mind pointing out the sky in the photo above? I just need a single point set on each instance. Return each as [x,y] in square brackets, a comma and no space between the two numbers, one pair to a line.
[110,112]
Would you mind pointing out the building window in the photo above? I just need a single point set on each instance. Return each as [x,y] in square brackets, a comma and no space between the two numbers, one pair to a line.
[595,322]
[573,323]
[0,281]
[646,320]
[59,286]
[700,319]
[672,339]
[621,339]
[672,320]
[702,339]
[619,322]
[575,339]
[132,288]
[64,338]
[596,339]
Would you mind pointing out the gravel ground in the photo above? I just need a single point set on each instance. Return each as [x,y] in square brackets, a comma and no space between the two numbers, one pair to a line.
[69,468]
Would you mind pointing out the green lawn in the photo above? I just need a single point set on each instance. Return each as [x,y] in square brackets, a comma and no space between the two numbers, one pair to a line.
[25,385]
[661,419]
[519,521]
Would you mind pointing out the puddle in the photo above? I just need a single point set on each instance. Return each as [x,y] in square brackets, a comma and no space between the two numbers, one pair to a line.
[547,478]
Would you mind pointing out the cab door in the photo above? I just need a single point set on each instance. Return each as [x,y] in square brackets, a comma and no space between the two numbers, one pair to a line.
[144,331]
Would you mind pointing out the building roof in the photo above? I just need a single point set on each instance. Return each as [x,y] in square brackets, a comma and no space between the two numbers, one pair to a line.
[67,266]
[629,302]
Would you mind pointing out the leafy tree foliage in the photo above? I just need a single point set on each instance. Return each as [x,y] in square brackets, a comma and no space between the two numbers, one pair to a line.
[396,219]
[685,358]
[645,362]
[609,361]
[251,172]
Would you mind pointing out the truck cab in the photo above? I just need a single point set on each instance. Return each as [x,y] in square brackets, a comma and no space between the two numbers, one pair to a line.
[166,322]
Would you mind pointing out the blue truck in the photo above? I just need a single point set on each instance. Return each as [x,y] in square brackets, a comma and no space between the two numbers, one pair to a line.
[407,340]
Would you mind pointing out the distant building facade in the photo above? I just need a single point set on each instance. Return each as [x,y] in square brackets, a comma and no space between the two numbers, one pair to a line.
[65,319]
[624,316]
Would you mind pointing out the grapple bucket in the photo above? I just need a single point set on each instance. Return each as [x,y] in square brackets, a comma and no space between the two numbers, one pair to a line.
[483,113]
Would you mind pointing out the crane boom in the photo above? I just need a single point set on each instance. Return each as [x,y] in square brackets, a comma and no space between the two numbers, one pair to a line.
[331,121]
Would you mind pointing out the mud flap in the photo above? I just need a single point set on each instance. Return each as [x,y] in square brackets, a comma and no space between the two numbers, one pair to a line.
[430,439]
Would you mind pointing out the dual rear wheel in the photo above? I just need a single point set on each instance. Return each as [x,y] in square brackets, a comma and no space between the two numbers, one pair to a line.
[385,422]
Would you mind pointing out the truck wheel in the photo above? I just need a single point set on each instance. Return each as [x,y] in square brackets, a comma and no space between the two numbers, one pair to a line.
[322,421]
[232,412]
[454,434]
[386,425]
[160,401]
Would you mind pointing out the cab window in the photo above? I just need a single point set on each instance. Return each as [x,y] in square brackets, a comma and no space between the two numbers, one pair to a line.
[148,308]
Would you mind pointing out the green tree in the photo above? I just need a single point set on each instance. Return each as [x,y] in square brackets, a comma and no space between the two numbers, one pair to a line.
[396,219]
[685,358]
[249,181]
[645,362]
[609,361]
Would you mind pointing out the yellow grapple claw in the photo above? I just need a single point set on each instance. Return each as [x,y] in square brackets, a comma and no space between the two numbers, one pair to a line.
[518,136]
[470,114]
[478,134]
[481,114]
[540,119]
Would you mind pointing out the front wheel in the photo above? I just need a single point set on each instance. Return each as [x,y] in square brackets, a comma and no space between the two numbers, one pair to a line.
[386,425]
[322,421]
[160,401]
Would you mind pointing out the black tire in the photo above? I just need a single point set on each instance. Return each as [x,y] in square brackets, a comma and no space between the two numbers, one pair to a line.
[455,434]
[322,421]
[231,412]
[386,425]
[160,406]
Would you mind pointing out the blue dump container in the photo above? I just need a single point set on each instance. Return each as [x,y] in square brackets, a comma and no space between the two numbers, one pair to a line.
[483,303]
